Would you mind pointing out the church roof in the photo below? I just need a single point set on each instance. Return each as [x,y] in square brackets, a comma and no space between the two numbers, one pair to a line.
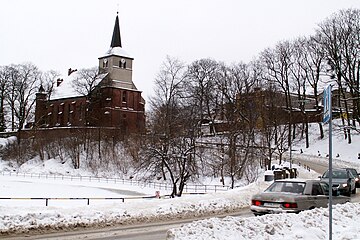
[116,39]
[66,88]
[117,51]
[116,46]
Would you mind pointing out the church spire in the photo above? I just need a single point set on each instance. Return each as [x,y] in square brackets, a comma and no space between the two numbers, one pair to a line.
[116,40]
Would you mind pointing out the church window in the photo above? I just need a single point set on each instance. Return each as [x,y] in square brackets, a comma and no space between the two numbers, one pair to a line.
[81,112]
[59,115]
[105,63]
[122,63]
[68,113]
[124,97]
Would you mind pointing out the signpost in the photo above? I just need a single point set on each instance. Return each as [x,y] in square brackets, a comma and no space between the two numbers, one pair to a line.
[327,118]
[327,104]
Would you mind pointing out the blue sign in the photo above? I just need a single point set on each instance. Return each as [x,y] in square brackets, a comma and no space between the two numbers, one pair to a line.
[327,104]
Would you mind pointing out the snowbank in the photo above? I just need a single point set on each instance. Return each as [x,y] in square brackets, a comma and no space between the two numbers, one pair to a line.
[40,218]
[311,225]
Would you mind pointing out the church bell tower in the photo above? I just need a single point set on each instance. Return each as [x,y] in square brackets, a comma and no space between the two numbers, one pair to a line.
[117,62]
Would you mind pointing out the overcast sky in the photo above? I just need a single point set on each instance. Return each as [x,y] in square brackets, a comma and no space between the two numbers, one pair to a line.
[59,34]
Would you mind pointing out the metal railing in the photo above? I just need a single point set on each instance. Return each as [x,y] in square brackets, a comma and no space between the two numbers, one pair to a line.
[82,198]
[189,188]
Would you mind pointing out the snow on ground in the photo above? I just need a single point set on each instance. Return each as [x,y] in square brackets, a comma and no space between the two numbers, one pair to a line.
[319,148]
[23,215]
[312,225]
[18,216]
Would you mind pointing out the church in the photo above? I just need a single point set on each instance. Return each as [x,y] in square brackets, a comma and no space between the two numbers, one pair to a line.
[113,103]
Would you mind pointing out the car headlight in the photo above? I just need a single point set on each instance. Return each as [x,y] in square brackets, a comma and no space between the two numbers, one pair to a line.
[344,185]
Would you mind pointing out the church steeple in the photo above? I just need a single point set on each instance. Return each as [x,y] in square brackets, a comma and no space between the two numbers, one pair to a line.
[116,46]
[116,39]
[117,62]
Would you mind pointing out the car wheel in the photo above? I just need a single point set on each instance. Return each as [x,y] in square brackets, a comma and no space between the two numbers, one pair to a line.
[349,192]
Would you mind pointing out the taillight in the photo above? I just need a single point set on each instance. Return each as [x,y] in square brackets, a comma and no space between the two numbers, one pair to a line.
[256,202]
[290,205]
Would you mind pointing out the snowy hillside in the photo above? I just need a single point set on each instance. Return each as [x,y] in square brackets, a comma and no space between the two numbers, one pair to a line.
[340,148]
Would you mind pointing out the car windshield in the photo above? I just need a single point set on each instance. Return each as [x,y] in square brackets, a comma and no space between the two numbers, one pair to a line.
[353,172]
[337,174]
[288,187]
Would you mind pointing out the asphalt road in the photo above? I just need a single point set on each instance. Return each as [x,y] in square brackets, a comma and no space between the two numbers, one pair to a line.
[148,231]
[319,167]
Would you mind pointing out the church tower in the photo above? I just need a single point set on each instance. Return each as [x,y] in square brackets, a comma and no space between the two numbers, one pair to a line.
[117,62]
[40,110]
[121,103]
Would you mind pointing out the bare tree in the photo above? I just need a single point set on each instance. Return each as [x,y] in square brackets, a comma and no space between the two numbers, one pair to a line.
[315,67]
[24,82]
[271,136]
[339,37]
[299,76]
[348,31]
[200,83]
[170,146]
[278,62]
[4,80]
[239,137]
[86,80]
[48,81]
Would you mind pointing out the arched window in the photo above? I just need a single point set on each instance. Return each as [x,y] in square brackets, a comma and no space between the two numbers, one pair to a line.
[122,63]
[124,96]
[105,63]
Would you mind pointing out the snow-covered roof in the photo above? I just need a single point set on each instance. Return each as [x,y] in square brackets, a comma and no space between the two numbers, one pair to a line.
[66,88]
[117,51]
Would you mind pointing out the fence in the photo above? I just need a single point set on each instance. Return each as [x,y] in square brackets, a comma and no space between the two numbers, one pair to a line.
[88,199]
[191,188]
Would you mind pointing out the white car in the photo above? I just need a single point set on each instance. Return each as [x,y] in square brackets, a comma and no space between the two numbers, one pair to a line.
[293,196]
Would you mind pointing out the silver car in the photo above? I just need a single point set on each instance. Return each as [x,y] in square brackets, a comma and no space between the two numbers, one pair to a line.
[342,180]
[356,175]
[293,196]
